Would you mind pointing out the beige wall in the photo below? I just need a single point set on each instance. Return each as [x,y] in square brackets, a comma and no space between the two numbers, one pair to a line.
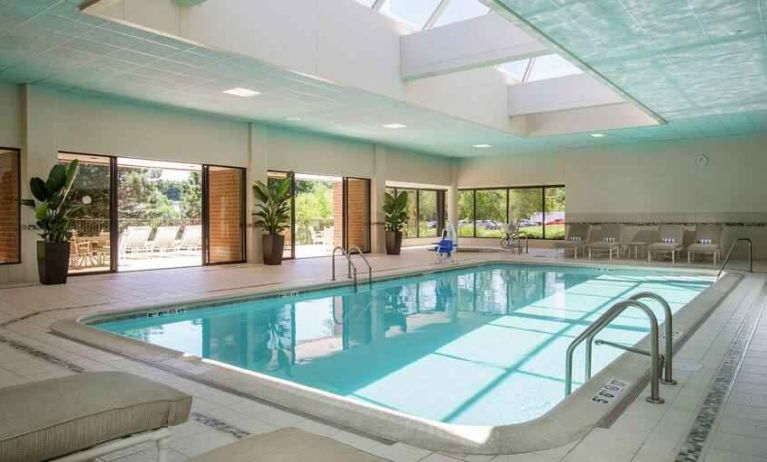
[43,121]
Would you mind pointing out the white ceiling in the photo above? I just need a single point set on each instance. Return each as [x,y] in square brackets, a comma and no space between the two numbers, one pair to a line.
[50,42]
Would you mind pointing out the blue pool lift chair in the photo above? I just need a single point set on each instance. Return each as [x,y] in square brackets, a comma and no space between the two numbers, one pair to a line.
[447,245]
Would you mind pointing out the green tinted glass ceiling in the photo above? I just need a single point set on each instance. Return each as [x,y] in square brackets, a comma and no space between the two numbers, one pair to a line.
[679,58]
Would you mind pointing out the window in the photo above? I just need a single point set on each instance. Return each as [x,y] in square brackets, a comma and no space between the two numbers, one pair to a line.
[538,68]
[425,212]
[460,10]
[538,210]
[466,213]
[10,216]
[491,206]
[413,12]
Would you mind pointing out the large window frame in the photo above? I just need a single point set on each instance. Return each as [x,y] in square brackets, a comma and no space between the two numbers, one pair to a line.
[542,189]
[16,153]
[291,231]
[441,208]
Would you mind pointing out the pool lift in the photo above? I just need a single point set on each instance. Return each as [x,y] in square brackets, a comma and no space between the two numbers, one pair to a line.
[447,244]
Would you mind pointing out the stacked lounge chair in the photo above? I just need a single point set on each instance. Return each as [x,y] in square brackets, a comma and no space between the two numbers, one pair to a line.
[578,237]
[670,240]
[612,240]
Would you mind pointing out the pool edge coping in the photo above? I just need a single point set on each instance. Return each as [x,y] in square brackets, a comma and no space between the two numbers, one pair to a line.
[570,419]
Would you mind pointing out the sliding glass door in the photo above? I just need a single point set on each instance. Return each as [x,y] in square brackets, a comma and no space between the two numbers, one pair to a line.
[224,213]
[326,212]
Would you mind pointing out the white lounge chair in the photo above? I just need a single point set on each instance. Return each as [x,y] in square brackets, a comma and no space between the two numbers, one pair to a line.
[191,238]
[578,237]
[612,240]
[135,239]
[81,417]
[708,240]
[670,240]
[164,238]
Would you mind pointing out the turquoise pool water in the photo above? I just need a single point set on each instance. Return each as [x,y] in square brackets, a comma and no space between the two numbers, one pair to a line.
[480,346]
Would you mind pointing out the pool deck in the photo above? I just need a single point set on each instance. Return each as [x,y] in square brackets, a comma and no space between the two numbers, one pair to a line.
[734,336]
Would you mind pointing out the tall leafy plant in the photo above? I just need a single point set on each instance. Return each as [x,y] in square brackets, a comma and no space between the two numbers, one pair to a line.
[395,211]
[273,204]
[53,209]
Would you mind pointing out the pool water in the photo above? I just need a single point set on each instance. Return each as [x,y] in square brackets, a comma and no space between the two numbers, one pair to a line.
[480,346]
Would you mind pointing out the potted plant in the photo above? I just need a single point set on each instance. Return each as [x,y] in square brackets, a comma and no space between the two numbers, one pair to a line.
[53,217]
[273,215]
[395,218]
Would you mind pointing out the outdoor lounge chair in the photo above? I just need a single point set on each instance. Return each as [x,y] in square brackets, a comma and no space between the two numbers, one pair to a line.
[611,240]
[81,417]
[670,240]
[191,238]
[135,239]
[164,238]
[708,240]
[578,236]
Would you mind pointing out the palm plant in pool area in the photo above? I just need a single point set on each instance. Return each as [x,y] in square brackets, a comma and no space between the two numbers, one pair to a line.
[395,218]
[53,216]
[272,215]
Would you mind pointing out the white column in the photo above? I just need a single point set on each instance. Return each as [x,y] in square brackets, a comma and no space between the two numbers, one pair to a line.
[452,195]
[257,167]
[377,190]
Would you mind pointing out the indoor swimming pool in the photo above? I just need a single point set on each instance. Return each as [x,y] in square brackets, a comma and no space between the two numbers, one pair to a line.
[482,345]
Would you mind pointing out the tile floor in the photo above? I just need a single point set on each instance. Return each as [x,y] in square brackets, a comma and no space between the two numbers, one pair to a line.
[644,432]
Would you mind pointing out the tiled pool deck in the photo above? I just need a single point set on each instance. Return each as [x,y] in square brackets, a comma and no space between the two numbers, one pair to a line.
[729,351]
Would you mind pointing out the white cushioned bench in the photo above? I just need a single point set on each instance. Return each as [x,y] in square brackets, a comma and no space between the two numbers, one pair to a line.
[73,417]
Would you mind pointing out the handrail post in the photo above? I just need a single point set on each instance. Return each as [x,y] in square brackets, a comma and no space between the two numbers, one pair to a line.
[729,255]
[600,324]
[668,378]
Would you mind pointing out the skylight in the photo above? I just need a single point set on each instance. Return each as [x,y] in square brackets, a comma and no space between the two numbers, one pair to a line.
[538,68]
[424,14]
[460,10]
[413,12]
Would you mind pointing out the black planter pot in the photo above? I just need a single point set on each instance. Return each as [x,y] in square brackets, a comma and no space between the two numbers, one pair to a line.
[52,262]
[393,242]
[273,246]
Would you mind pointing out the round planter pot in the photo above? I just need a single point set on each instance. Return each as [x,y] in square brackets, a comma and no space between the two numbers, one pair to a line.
[393,242]
[52,262]
[273,246]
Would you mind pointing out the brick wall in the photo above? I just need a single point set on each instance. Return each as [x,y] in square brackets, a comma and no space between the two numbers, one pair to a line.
[9,207]
[358,202]
[225,193]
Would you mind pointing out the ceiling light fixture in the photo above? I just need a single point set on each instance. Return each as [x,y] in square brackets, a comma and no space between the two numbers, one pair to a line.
[481,146]
[244,92]
[598,135]
[394,126]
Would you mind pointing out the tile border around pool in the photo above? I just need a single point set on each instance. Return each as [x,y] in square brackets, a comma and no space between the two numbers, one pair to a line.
[568,420]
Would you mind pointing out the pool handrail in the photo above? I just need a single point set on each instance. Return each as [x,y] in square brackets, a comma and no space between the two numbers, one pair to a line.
[667,376]
[600,324]
[729,254]
[350,265]
[355,249]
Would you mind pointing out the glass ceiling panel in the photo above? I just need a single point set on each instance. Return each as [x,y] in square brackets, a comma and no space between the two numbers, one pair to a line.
[367,3]
[551,66]
[515,69]
[413,12]
[459,10]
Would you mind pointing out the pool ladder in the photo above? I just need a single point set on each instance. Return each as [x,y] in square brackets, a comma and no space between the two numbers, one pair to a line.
[729,255]
[657,361]
[351,268]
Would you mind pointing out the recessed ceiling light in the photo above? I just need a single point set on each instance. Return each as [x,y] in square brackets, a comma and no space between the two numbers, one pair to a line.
[244,92]
[481,146]
[293,119]
[598,135]
[394,125]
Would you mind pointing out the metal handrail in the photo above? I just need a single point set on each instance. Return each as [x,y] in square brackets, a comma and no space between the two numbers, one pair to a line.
[669,333]
[600,324]
[357,250]
[350,265]
[729,254]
